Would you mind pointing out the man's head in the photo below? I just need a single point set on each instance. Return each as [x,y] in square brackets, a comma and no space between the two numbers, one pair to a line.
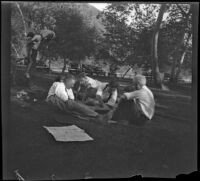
[139,81]
[69,81]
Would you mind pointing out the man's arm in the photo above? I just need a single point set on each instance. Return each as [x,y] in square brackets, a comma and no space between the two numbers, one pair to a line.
[71,94]
[113,99]
[98,97]
[130,95]
[61,92]
[122,97]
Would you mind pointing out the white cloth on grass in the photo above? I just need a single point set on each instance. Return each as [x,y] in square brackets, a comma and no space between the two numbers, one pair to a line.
[68,133]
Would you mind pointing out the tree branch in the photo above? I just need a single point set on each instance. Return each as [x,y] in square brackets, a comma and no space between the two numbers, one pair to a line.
[18,6]
[181,9]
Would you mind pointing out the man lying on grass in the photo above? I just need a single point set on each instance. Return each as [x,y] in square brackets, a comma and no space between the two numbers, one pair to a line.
[137,106]
[61,95]
[97,93]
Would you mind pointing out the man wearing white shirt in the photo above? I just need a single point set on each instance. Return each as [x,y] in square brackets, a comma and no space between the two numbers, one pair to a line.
[61,95]
[88,82]
[137,106]
[105,92]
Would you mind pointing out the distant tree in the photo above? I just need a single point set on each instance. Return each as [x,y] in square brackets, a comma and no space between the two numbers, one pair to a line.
[184,38]
[175,32]
[154,53]
[74,40]
[119,38]
[173,35]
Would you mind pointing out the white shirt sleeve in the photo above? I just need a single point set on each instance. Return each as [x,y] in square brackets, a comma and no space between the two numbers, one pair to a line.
[70,94]
[130,95]
[61,92]
[99,92]
[113,98]
[52,89]
[101,86]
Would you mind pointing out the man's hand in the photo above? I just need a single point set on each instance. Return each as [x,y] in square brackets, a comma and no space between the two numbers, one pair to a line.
[99,99]
[123,97]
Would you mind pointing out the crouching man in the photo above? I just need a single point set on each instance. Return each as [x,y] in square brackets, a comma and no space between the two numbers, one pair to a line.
[61,96]
[136,107]
[97,93]
[34,44]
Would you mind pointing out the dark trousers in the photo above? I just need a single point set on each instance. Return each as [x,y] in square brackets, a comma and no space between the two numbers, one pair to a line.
[71,106]
[130,111]
[32,55]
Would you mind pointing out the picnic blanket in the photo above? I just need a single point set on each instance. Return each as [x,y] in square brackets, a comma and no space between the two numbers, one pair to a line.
[68,133]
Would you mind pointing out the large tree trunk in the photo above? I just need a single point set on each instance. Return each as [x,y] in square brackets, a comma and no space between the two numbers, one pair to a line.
[179,66]
[173,78]
[64,66]
[158,78]
[14,66]
[173,71]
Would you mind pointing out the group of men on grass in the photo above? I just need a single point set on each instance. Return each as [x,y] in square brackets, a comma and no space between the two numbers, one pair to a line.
[84,96]
[137,106]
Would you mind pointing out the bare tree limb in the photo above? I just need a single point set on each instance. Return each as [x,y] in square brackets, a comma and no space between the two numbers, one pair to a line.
[18,6]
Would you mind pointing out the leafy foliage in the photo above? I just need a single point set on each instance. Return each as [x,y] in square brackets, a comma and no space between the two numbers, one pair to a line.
[139,30]
[119,39]
[75,39]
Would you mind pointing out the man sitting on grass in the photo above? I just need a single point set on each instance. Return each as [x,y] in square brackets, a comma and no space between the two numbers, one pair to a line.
[136,107]
[61,95]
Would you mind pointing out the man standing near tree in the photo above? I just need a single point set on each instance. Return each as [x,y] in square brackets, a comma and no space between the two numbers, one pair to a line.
[34,44]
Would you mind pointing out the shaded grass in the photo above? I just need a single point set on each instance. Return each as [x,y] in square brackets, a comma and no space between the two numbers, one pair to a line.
[162,148]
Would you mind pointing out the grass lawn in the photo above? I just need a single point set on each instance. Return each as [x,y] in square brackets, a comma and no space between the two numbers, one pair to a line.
[163,148]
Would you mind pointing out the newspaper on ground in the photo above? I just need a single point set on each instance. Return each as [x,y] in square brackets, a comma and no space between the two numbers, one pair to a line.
[68,133]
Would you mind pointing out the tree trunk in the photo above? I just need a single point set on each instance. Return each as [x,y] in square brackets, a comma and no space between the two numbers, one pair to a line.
[23,20]
[126,72]
[180,44]
[113,69]
[64,66]
[49,64]
[14,66]
[179,66]
[156,72]
[173,71]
